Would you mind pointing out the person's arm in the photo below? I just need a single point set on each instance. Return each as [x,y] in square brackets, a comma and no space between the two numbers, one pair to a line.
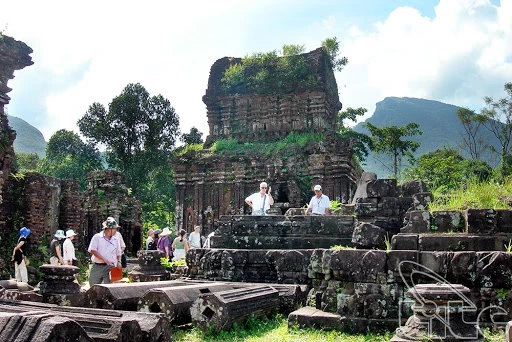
[327,212]
[67,253]
[249,202]
[310,208]
[167,251]
[270,198]
[18,246]
[98,255]
[186,245]
[173,246]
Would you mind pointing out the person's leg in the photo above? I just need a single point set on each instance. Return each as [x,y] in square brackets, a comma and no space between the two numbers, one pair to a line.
[23,271]
[54,261]
[95,276]
[105,275]
[17,273]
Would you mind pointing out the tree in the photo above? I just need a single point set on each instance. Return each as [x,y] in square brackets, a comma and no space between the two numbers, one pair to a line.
[387,140]
[446,169]
[194,137]
[139,132]
[24,162]
[472,141]
[362,142]
[68,157]
[332,47]
[498,116]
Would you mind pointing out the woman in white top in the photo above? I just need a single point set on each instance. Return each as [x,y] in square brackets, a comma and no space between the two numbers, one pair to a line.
[68,248]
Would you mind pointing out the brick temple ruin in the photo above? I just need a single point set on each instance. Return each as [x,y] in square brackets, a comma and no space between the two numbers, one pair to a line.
[396,263]
[209,185]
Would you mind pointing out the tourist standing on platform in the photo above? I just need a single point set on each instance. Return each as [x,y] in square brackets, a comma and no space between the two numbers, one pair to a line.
[56,248]
[180,246]
[319,204]
[150,239]
[194,238]
[106,253]
[19,256]
[260,201]
[69,249]
[164,245]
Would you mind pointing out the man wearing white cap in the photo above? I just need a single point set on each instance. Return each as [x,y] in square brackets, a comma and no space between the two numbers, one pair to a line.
[260,201]
[319,204]
[68,248]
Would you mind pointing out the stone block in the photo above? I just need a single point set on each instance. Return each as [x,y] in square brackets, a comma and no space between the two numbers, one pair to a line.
[310,317]
[481,221]
[504,222]
[435,262]
[219,310]
[408,189]
[358,265]
[462,268]
[295,212]
[367,235]
[421,200]
[404,242]
[365,209]
[382,188]
[388,206]
[493,269]
[459,242]
[419,222]
[401,263]
[448,221]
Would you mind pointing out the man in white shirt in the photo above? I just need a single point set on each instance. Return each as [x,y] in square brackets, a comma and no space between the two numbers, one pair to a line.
[194,239]
[319,204]
[106,253]
[260,201]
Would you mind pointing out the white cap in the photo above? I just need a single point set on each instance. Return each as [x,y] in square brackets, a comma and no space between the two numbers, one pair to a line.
[317,187]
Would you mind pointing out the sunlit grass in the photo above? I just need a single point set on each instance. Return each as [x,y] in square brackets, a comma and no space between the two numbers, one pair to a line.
[475,195]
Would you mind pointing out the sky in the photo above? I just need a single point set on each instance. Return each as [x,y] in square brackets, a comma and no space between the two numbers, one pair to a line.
[453,51]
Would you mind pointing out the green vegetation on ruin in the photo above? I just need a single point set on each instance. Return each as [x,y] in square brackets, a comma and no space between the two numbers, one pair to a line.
[280,72]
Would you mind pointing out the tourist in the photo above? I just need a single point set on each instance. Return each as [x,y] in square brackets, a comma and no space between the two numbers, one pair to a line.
[319,204]
[150,240]
[207,242]
[69,249]
[106,253]
[56,248]
[156,237]
[180,246]
[164,245]
[19,256]
[194,239]
[260,201]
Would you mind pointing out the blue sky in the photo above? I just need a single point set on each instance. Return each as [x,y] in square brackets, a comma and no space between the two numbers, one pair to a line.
[454,51]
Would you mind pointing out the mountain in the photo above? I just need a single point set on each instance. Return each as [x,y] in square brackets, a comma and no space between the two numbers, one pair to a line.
[438,121]
[28,138]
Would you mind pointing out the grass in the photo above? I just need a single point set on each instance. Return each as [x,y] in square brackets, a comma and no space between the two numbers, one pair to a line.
[276,329]
[476,195]
[273,329]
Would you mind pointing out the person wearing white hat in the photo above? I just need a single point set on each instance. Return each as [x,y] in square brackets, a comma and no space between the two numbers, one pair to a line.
[69,248]
[56,248]
[260,201]
[106,253]
[319,204]
[164,244]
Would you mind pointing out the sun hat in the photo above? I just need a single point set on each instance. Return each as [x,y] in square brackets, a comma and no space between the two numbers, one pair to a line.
[24,232]
[151,232]
[165,232]
[59,234]
[110,222]
[317,187]
[70,233]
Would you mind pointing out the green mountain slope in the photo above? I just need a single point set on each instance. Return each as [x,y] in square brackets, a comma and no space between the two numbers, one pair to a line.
[28,138]
[438,121]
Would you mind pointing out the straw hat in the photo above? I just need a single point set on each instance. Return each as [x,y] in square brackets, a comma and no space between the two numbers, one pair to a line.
[166,232]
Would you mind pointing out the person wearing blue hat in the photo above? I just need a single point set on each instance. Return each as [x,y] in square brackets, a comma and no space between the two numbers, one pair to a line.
[56,248]
[19,256]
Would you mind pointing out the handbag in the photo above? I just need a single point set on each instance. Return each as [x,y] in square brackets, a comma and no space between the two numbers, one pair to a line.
[115,274]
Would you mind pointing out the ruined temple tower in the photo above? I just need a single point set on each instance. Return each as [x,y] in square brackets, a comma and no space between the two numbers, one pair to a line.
[210,184]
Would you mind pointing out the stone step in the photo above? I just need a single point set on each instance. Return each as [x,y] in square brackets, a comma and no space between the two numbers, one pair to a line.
[279,242]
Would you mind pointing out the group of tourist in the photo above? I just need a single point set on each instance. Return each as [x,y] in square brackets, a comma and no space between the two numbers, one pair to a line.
[177,249]
[260,202]
[62,249]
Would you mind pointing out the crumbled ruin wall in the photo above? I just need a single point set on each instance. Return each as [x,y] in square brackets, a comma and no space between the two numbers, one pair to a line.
[261,117]
[107,195]
[209,186]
